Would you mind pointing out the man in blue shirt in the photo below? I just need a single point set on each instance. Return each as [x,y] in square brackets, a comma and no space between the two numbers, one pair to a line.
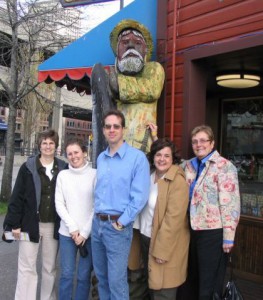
[122,189]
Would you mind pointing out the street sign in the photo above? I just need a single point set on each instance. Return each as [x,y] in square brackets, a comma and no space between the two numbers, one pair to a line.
[71,3]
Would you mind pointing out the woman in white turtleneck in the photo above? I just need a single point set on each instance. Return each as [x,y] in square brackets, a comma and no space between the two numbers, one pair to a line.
[74,205]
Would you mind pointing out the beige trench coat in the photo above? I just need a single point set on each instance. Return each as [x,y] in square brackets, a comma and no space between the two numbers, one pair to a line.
[170,233]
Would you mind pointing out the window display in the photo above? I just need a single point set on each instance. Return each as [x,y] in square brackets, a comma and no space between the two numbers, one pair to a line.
[242,143]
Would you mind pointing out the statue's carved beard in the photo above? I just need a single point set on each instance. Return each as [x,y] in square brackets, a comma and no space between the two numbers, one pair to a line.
[130,65]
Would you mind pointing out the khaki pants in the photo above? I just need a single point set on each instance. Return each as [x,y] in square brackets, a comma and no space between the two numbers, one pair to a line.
[26,288]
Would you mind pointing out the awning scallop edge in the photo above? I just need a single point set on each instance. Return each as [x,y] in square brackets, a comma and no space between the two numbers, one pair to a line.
[58,75]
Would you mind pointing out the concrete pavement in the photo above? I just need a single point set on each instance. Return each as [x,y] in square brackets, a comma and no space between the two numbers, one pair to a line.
[8,251]
[8,267]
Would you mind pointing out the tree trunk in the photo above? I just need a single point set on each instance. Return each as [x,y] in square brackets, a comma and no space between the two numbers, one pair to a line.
[6,187]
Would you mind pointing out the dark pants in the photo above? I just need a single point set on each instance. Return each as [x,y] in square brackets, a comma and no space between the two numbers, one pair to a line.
[206,267]
[138,285]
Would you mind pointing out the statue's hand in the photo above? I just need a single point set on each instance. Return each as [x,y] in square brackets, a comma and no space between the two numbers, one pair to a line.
[113,82]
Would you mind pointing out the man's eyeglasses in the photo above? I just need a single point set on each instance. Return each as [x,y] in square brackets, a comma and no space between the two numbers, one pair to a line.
[201,142]
[115,126]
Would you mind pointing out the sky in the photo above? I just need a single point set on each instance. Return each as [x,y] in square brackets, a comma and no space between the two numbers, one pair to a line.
[97,13]
[94,14]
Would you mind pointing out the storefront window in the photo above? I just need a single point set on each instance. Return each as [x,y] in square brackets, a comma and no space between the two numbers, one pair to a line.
[242,143]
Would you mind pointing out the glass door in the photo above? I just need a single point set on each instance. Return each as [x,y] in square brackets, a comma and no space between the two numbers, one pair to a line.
[242,143]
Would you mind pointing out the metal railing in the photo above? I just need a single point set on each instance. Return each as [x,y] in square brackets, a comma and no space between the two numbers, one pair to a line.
[24,151]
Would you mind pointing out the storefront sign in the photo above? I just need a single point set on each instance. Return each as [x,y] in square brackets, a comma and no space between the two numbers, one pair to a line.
[71,3]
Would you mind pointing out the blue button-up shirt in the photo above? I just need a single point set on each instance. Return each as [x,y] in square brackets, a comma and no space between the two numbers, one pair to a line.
[199,166]
[123,182]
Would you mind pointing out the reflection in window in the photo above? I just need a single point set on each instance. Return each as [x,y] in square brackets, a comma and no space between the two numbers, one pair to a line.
[242,143]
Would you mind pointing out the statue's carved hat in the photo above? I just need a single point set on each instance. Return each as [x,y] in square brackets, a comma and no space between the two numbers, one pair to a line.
[131,24]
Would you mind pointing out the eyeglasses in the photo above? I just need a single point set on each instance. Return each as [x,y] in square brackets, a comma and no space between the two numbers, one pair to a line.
[109,126]
[201,142]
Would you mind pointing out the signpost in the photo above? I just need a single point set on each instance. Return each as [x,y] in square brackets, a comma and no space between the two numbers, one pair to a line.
[72,3]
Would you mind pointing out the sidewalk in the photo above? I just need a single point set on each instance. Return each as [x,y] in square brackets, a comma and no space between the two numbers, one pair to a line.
[8,267]
[8,272]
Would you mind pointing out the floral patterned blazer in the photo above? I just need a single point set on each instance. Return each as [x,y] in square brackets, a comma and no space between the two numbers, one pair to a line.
[215,200]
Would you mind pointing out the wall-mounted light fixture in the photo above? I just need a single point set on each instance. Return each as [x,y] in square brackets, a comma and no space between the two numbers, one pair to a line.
[238,80]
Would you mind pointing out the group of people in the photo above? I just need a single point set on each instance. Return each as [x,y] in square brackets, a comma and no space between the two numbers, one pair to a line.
[185,214]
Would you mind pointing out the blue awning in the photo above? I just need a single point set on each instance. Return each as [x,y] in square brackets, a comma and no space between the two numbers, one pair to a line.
[74,62]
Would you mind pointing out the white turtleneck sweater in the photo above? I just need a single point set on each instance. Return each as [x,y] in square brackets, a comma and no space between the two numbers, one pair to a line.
[74,199]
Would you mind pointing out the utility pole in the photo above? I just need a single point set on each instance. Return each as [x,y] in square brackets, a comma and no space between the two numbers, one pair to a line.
[57,116]
[121,4]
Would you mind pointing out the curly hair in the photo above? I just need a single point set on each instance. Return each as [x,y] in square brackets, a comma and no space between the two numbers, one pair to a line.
[159,145]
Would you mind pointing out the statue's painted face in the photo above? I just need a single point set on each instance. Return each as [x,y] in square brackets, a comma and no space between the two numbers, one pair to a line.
[131,52]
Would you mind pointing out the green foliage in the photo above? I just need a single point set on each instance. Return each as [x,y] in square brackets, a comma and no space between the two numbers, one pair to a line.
[3,208]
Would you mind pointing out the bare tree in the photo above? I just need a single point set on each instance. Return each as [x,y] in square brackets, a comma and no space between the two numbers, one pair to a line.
[30,29]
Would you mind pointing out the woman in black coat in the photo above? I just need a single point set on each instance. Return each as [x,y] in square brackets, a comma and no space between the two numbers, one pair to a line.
[32,210]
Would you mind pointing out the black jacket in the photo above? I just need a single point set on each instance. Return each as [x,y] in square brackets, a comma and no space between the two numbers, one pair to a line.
[23,210]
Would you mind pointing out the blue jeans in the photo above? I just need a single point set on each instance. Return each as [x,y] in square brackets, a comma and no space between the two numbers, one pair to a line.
[68,260]
[110,248]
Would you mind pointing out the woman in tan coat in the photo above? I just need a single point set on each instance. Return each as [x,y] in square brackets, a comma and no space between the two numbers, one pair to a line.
[163,223]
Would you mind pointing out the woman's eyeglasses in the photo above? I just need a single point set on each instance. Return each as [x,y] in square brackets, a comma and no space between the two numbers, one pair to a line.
[201,142]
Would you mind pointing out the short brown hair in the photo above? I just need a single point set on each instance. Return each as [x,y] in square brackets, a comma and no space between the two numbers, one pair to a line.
[204,128]
[48,134]
[76,141]
[117,113]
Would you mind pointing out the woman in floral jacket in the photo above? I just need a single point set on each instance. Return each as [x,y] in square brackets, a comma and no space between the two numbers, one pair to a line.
[214,214]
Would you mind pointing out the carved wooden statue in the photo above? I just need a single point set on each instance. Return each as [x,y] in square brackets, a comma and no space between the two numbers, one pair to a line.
[133,86]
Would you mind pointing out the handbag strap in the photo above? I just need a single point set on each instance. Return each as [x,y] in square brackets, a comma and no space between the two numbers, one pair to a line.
[230,263]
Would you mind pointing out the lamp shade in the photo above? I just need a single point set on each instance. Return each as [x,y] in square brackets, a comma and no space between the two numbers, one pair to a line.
[238,80]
